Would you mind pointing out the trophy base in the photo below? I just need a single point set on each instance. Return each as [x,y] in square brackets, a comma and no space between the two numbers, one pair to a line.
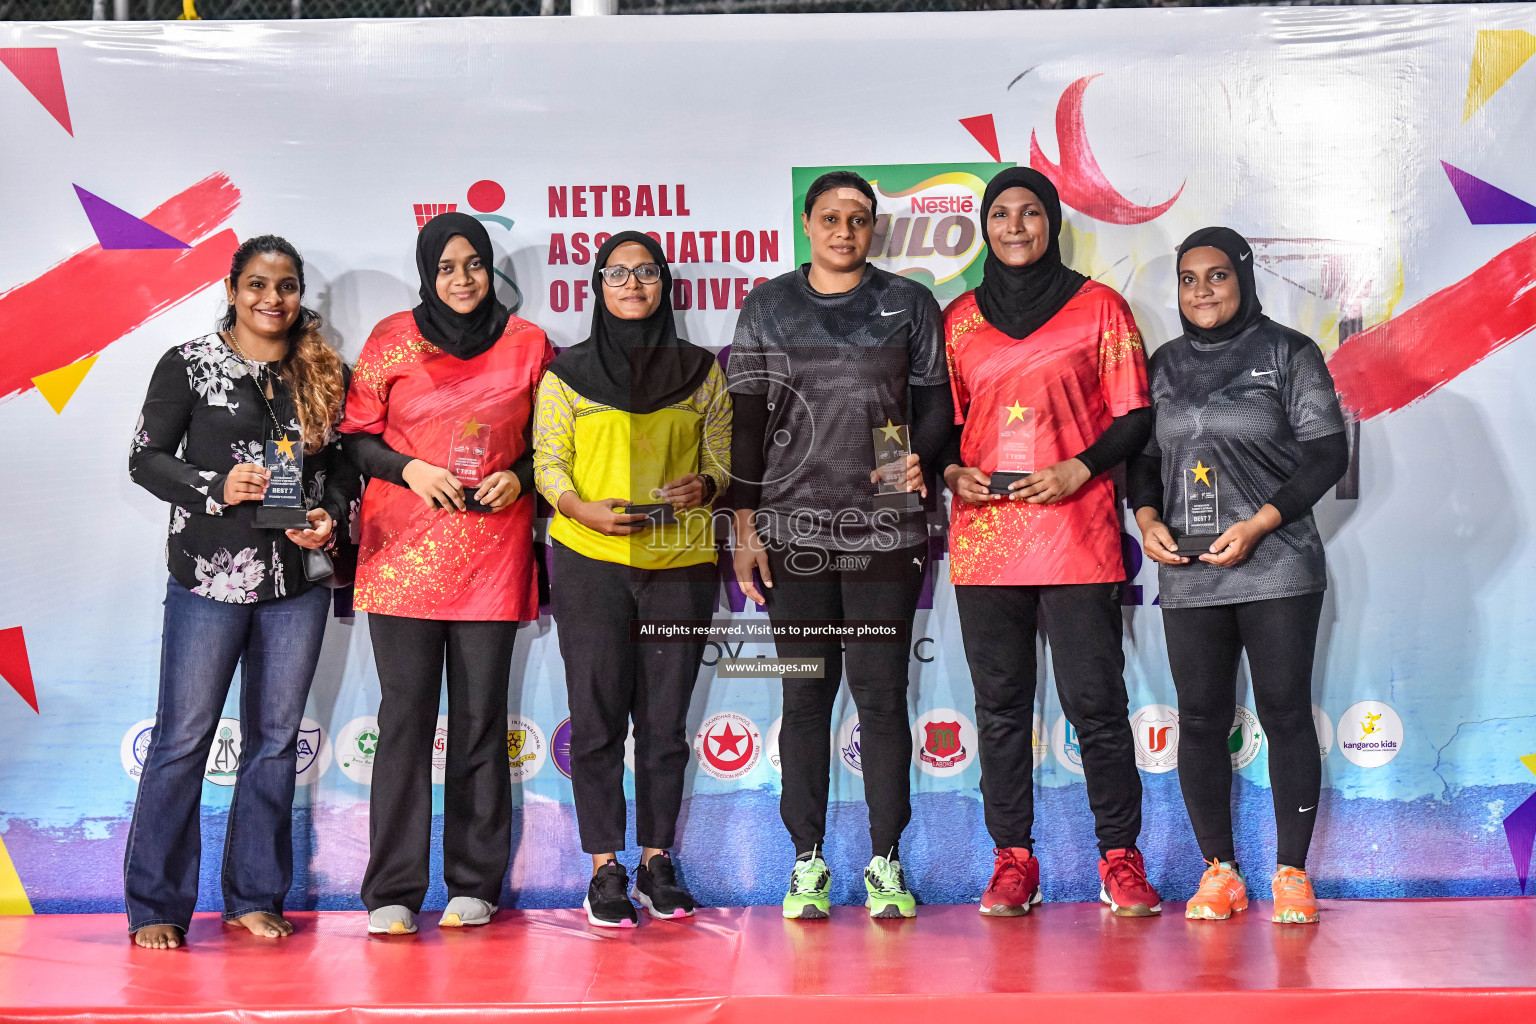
[900,501]
[281,517]
[471,505]
[1001,481]
[1194,547]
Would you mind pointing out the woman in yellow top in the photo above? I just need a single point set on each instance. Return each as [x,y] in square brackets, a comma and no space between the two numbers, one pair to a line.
[633,416]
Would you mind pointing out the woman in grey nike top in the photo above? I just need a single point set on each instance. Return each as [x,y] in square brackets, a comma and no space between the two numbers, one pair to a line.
[825,359]
[1249,435]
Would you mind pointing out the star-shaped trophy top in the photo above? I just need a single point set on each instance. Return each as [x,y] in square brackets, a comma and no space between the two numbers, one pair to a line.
[472,428]
[643,442]
[1202,472]
[1015,411]
[286,447]
[891,431]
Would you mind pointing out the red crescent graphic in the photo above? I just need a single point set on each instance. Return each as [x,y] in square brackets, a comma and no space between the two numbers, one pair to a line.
[733,764]
[1082,184]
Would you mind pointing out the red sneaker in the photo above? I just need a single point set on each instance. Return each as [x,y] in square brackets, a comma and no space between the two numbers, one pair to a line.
[1125,887]
[1015,883]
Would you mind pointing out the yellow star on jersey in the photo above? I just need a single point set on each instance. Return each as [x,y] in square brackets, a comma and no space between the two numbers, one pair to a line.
[472,428]
[642,442]
[1202,472]
[286,447]
[891,432]
[1015,411]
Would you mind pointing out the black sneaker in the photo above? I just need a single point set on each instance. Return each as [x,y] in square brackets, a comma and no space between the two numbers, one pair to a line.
[657,890]
[606,904]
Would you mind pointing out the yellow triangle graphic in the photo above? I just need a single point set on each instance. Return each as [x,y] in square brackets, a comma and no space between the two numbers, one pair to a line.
[1498,55]
[58,386]
[13,898]
[1529,760]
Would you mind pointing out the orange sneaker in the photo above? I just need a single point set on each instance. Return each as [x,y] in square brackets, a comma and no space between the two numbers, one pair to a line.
[1294,900]
[1221,892]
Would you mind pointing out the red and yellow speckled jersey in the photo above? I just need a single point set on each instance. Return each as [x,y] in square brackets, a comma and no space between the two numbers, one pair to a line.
[1082,369]
[430,563]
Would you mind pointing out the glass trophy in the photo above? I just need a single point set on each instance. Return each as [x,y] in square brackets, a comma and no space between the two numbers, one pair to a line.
[893,443]
[1202,509]
[469,458]
[1015,446]
[282,507]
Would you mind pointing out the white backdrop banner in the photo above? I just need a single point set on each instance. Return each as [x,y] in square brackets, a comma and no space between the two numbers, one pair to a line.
[1378,157]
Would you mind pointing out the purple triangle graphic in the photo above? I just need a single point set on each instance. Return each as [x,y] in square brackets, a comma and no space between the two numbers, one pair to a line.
[1485,203]
[1520,830]
[119,229]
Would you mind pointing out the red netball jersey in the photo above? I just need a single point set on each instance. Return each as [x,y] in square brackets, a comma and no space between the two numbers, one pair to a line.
[1084,367]
[429,563]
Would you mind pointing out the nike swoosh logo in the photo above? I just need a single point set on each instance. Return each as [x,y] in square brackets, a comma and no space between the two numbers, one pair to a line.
[1304,810]
[893,312]
[1256,373]
[1245,256]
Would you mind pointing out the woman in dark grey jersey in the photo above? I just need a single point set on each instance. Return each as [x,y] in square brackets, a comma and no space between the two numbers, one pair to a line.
[823,357]
[1249,436]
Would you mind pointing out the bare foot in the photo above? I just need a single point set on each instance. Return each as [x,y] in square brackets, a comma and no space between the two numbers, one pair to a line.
[264,925]
[158,936]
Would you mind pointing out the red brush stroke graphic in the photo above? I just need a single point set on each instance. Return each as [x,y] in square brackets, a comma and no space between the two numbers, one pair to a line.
[91,299]
[1412,355]
[1079,179]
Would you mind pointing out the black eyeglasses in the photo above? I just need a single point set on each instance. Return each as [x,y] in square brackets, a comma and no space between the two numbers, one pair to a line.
[645,273]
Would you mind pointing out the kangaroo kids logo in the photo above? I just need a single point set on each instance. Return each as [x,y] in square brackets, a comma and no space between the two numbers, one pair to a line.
[944,742]
[1370,733]
[927,220]
[728,745]
[1155,729]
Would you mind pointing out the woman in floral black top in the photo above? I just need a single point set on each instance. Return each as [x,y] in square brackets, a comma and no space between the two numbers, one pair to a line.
[238,594]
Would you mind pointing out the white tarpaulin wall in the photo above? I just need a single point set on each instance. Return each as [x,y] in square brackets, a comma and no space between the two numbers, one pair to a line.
[1379,157]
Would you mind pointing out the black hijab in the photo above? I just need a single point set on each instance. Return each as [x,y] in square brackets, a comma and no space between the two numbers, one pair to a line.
[635,366]
[464,335]
[1019,300]
[1237,249]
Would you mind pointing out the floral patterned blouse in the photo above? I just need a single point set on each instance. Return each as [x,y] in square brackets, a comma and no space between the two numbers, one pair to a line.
[203,416]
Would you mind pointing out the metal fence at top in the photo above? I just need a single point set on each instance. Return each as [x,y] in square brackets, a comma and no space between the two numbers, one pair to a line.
[153,10]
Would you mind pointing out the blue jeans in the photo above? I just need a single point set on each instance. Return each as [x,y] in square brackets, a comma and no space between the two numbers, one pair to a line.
[277,645]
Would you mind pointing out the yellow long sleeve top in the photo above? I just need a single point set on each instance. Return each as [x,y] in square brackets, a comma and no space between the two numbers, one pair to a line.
[601,452]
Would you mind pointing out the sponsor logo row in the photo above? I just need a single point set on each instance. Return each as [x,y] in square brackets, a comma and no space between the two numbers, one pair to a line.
[729,745]
[1369,735]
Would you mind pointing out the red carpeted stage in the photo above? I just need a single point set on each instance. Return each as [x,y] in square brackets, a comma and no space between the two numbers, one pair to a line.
[1403,961]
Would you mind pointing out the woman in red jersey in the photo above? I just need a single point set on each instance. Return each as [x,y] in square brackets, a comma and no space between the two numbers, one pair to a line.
[1050,387]
[439,416]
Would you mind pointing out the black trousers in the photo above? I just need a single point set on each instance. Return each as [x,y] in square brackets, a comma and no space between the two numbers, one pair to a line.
[1083,629]
[610,680]
[477,793]
[831,586]
[1204,644]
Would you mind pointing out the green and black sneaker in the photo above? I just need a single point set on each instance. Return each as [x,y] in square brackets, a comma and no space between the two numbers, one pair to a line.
[888,895]
[810,889]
